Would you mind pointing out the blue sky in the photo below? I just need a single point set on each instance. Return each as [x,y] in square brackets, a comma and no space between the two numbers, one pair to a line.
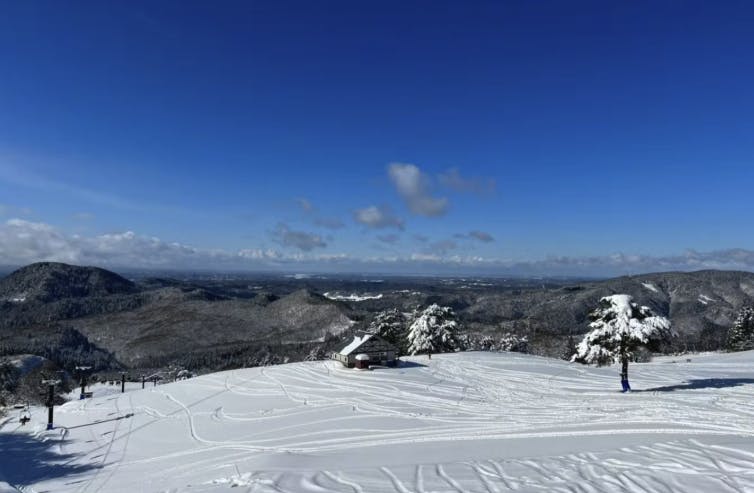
[549,137]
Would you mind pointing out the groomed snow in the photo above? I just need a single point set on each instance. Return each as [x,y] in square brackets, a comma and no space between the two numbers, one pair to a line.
[465,422]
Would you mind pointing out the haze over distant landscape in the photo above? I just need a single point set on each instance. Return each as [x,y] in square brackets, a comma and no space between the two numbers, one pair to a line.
[588,139]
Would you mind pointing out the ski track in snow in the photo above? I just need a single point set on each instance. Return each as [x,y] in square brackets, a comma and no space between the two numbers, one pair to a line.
[466,422]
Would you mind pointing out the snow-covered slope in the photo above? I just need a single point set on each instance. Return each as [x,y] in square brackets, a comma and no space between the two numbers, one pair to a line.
[466,422]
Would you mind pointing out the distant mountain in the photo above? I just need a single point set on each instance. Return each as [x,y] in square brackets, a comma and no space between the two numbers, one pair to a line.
[70,314]
[81,314]
[52,281]
[173,324]
[701,306]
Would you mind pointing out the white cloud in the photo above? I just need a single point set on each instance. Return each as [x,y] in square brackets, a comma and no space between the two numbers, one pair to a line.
[377,218]
[259,254]
[23,242]
[452,179]
[413,187]
[425,257]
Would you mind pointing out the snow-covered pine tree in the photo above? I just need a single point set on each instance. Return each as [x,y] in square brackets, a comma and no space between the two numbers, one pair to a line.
[619,327]
[487,343]
[434,331]
[390,325]
[741,335]
[513,343]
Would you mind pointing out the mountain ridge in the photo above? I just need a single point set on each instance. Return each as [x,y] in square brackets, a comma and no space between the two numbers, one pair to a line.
[156,321]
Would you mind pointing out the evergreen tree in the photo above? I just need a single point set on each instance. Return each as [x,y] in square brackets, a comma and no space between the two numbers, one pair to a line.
[487,343]
[434,331]
[513,343]
[390,325]
[619,328]
[741,335]
[570,348]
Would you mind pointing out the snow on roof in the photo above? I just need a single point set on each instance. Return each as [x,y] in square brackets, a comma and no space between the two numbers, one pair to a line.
[362,357]
[357,341]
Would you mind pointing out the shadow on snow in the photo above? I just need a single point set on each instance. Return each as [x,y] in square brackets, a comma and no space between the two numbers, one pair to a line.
[706,383]
[410,364]
[25,460]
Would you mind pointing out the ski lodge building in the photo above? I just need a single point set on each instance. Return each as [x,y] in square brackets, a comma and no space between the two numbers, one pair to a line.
[366,349]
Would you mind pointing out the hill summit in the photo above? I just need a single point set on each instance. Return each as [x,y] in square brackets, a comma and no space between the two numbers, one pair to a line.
[50,281]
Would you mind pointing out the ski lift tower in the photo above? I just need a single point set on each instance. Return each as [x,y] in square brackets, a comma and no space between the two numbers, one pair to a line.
[50,399]
[83,370]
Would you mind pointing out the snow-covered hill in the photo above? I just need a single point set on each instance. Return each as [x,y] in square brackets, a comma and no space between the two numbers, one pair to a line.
[466,422]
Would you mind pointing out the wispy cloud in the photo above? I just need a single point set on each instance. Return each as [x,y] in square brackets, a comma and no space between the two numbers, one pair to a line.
[313,215]
[377,217]
[482,236]
[453,180]
[442,247]
[27,179]
[413,187]
[15,172]
[305,205]
[298,239]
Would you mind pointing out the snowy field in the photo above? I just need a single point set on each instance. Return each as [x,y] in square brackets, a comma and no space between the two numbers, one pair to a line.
[466,422]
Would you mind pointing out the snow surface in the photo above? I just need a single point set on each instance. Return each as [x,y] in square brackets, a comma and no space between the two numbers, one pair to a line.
[17,298]
[463,422]
[650,287]
[408,292]
[6,488]
[352,297]
[704,299]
